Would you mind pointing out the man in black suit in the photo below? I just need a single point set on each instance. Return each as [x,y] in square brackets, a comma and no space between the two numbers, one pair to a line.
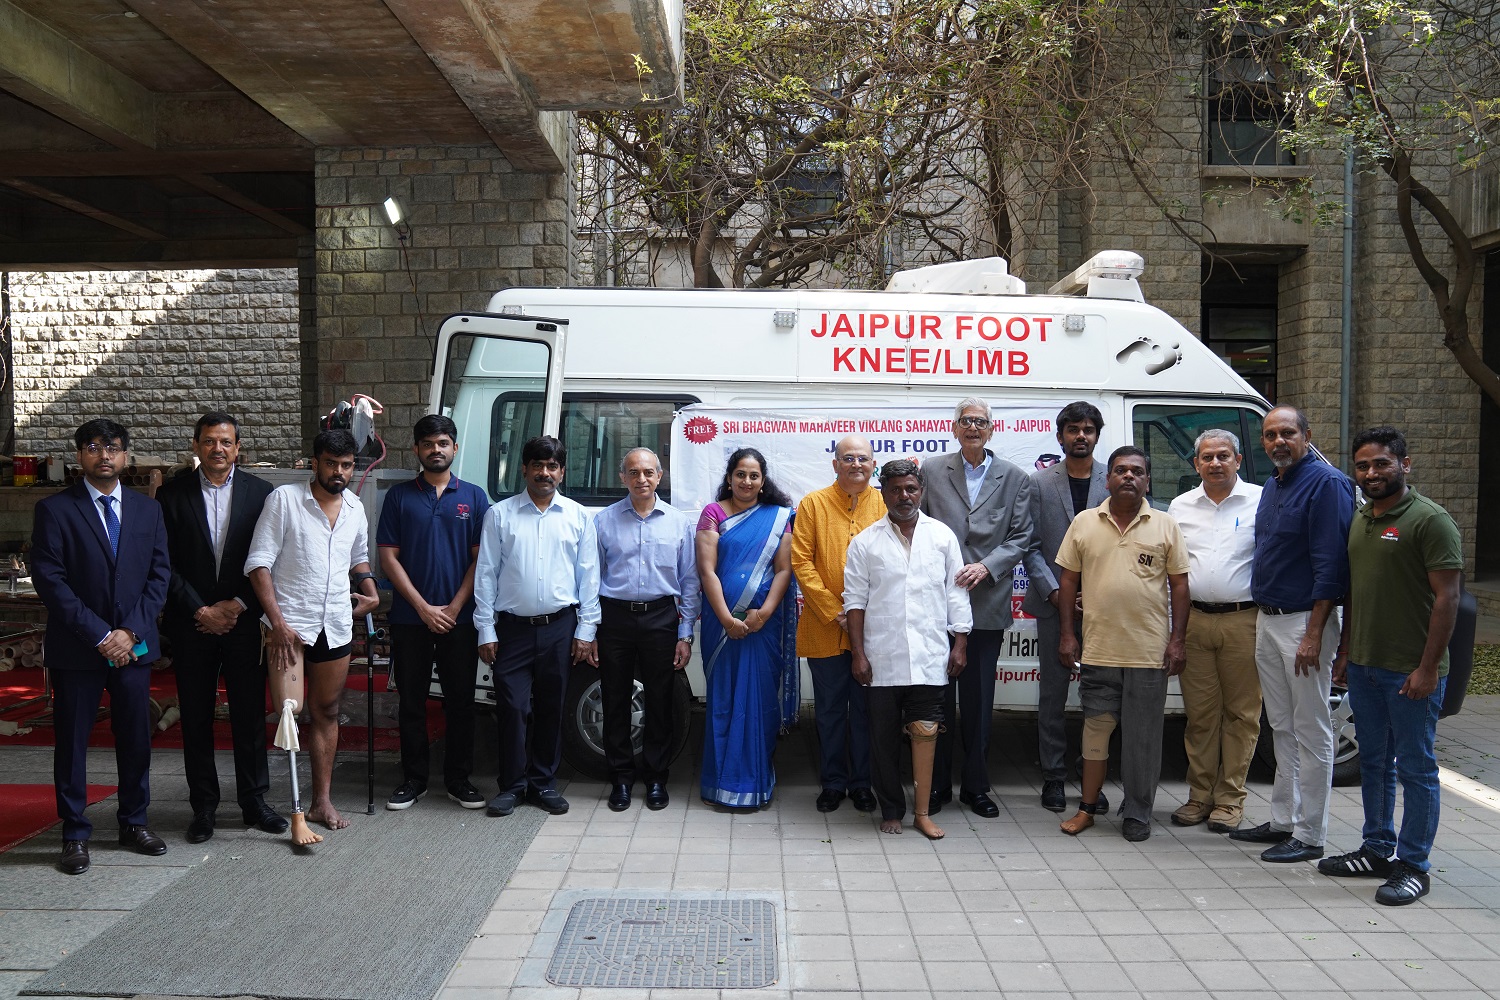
[99,561]
[212,620]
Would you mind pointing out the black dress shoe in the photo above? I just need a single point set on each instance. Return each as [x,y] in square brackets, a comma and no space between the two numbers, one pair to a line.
[829,799]
[1054,796]
[656,796]
[980,804]
[864,800]
[75,857]
[501,805]
[267,820]
[548,799]
[1101,804]
[1135,831]
[201,828]
[619,797]
[1291,850]
[1262,834]
[142,841]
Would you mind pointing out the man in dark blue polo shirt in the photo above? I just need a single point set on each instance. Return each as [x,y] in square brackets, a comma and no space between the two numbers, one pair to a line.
[1300,573]
[428,539]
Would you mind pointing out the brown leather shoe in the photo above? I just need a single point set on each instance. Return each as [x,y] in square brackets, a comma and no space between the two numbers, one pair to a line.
[75,857]
[142,841]
[1226,819]
[1191,813]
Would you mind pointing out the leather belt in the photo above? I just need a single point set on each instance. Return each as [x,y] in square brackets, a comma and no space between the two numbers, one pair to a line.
[655,604]
[1223,609]
[1281,611]
[539,619]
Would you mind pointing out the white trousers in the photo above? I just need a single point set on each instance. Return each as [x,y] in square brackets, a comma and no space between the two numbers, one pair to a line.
[1297,709]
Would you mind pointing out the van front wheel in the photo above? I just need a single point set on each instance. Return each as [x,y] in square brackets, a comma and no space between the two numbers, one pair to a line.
[583,721]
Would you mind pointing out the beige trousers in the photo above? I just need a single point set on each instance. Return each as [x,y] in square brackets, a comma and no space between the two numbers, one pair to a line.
[1221,696]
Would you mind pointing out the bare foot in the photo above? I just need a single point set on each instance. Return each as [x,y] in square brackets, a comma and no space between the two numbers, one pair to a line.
[326,814]
[302,834]
[927,828]
[890,826]
[1079,823]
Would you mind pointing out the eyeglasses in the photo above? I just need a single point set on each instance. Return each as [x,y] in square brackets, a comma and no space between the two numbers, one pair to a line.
[855,459]
[979,422]
[95,448]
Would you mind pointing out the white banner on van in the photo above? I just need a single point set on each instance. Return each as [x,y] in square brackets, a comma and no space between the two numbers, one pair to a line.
[798,445]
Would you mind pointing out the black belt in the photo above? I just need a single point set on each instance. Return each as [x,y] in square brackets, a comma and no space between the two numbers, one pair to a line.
[540,619]
[1223,609]
[655,604]
[1281,611]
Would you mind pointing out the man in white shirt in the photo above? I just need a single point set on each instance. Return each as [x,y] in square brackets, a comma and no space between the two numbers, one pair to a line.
[536,607]
[1220,686]
[904,601]
[310,538]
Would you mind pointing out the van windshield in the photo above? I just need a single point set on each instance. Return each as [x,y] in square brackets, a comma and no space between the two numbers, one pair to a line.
[1166,432]
[597,429]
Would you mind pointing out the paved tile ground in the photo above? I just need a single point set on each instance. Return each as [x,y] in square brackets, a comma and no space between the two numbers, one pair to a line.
[1008,905]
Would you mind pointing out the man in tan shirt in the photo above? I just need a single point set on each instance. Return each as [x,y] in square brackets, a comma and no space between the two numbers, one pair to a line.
[1129,562]
[826,521]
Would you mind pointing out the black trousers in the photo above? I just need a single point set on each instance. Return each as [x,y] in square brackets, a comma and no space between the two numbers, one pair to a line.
[637,645]
[199,661]
[531,683]
[76,695]
[414,650]
[891,708]
[974,692]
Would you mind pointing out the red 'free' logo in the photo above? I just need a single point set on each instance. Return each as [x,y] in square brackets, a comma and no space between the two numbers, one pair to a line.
[700,430]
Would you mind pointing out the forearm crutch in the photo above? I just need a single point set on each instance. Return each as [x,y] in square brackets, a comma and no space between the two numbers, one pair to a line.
[287,689]
[370,709]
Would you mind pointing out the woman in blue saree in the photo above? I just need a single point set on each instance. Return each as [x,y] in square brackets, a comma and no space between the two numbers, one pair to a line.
[749,633]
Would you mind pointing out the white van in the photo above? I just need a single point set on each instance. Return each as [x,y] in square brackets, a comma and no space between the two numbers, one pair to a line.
[694,373]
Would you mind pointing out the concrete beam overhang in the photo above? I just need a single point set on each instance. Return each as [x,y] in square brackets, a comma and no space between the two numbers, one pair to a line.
[244,202]
[460,40]
[96,255]
[83,208]
[579,54]
[40,66]
[36,163]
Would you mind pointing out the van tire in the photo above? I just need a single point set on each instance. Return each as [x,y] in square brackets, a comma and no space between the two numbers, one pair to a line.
[582,730]
[1346,751]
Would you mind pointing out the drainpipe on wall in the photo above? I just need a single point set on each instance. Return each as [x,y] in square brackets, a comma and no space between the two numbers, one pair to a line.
[1346,326]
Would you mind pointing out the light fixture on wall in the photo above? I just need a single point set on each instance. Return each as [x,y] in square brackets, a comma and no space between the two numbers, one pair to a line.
[397,216]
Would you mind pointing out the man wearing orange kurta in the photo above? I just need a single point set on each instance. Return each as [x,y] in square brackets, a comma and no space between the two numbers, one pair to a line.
[826,521]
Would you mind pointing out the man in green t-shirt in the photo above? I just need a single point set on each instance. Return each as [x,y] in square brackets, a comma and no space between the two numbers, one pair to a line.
[1404,566]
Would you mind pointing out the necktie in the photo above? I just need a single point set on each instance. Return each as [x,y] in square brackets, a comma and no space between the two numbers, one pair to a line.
[111,524]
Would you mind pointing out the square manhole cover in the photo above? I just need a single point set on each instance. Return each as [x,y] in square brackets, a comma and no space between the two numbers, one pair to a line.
[666,943]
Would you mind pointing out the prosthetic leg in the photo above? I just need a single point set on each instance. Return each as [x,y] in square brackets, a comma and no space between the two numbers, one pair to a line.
[923,750]
[1097,729]
[288,689]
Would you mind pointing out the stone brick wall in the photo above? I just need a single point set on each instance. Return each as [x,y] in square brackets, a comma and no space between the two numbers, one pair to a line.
[154,350]
[476,226]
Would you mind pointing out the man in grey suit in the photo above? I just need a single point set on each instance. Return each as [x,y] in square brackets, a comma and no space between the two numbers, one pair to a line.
[1059,494]
[986,502]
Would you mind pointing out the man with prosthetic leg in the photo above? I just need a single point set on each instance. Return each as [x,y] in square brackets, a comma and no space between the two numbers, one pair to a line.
[903,602]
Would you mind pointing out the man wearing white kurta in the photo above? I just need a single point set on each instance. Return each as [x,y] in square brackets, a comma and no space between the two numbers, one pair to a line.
[903,604]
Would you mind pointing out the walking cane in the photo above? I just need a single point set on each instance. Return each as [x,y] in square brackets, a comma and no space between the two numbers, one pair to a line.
[370,709]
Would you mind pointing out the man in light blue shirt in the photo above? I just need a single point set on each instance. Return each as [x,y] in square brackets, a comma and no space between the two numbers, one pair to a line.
[648,596]
[536,607]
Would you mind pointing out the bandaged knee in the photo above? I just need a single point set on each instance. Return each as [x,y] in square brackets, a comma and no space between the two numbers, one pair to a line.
[923,732]
[1097,729]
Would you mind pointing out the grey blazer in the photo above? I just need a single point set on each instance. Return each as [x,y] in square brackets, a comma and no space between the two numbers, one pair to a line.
[995,532]
[1052,512]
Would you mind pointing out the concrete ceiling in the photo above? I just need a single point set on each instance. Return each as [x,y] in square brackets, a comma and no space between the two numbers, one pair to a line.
[182,131]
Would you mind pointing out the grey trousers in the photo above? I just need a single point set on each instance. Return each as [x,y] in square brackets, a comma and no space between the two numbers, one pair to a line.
[1137,698]
[1052,698]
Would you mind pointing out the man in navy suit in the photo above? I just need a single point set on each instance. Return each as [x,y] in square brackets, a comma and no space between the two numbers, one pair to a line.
[213,621]
[99,561]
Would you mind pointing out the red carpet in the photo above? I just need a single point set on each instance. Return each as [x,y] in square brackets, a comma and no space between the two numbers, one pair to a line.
[30,809]
[16,685]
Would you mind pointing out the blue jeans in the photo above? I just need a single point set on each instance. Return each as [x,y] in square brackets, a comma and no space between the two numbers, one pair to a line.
[1396,736]
[842,715]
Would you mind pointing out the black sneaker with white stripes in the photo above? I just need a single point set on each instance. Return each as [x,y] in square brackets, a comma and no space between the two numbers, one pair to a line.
[1363,863]
[1404,885]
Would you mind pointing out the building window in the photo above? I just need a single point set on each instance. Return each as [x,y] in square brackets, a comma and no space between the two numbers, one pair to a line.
[810,194]
[1245,110]
[1239,319]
